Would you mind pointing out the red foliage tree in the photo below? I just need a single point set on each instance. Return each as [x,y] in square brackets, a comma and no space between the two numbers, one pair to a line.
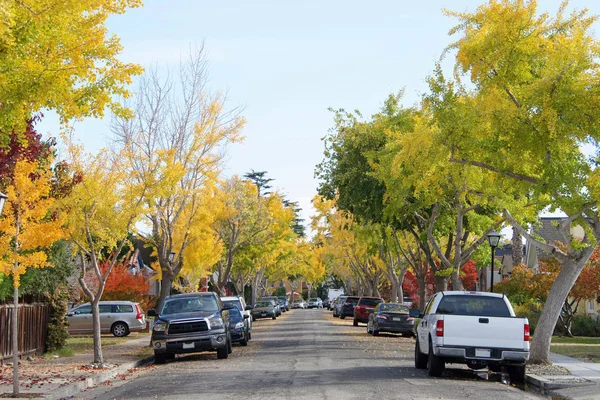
[468,275]
[121,284]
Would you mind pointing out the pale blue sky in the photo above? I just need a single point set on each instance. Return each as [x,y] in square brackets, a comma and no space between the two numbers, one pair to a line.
[287,62]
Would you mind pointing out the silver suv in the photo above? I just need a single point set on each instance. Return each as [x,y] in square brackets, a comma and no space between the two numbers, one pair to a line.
[116,317]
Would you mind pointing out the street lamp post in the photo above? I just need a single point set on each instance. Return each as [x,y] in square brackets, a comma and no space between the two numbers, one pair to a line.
[493,240]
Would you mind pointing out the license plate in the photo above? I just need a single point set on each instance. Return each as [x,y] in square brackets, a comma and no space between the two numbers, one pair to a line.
[483,353]
[263,314]
[188,345]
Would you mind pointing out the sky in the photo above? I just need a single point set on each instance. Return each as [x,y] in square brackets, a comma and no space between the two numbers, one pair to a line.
[286,63]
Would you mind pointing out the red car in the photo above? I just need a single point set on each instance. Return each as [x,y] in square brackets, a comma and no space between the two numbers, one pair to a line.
[364,308]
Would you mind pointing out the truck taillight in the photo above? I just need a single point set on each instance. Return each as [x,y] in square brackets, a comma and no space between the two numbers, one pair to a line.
[139,312]
[439,328]
[526,335]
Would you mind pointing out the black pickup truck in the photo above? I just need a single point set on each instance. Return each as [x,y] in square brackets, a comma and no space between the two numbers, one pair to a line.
[189,323]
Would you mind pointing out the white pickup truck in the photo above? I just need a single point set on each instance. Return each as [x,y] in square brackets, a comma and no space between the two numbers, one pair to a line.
[474,328]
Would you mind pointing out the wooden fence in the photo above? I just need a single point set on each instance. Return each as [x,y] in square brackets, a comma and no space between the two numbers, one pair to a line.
[33,323]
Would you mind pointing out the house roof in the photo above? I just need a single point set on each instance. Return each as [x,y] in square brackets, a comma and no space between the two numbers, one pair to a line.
[547,229]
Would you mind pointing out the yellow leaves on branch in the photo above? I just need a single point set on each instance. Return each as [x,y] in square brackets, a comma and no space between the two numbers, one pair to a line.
[29,222]
[58,54]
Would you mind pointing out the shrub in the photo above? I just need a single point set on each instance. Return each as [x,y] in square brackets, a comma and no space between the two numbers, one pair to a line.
[585,325]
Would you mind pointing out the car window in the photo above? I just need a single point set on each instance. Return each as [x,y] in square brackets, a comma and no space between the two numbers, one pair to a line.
[474,306]
[370,302]
[352,300]
[189,304]
[123,308]
[399,308]
[429,305]
[235,314]
[235,303]
[87,309]
[263,304]
[105,308]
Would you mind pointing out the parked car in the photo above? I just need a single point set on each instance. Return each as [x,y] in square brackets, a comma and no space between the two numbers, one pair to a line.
[326,303]
[347,307]
[474,328]
[240,303]
[190,323]
[276,303]
[364,308]
[264,309]
[299,304]
[284,302]
[391,317]
[338,305]
[315,302]
[238,326]
[116,317]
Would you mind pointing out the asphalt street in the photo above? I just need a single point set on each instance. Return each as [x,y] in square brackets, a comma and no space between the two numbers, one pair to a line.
[309,354]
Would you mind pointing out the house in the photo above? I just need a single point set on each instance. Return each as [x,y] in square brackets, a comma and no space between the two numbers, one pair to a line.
[503,266]
[547,229]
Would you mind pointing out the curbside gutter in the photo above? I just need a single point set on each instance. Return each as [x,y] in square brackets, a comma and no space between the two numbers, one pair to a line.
[95,380]
[557,382]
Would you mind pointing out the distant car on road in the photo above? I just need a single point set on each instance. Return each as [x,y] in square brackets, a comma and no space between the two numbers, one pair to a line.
[364,308]
[337,310]
[347,307]
[276,303]
[116,317]
[315,302]
[284,302]
[264,309]
[391,317]
[299,304]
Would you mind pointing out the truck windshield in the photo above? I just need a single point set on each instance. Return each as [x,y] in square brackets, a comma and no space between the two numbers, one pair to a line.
[473,305]
[189,304]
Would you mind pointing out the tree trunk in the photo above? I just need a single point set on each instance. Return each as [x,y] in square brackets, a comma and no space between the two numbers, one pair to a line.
[540,347]
[166,283]
[456,281]
[15,341]
[394,282]
[98,358]
[517,247]
[400,293]
[441,283]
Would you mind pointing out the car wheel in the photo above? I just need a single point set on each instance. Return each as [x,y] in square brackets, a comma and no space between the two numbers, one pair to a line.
[244,341]
[355,322]
[274,317]
[229,346]
[435,364]
[516,373]
[249,335]
[420,358]
[222,353]
[160,358]
[120,329]
[342,316]
[375,332]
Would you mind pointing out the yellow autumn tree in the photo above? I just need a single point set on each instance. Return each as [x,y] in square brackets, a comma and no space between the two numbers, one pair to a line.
[27,226]
[59,55]
[101,209]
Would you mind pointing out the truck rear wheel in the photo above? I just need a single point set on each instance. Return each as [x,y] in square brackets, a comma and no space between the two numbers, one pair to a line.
[516,373]
[435,364]
[222,353]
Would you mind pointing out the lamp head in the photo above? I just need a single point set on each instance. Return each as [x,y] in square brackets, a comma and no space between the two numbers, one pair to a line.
[494,238]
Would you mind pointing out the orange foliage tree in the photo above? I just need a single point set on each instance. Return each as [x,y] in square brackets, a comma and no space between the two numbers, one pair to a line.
[121,284]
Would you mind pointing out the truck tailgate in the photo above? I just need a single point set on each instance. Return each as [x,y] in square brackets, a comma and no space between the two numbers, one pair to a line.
[488,332]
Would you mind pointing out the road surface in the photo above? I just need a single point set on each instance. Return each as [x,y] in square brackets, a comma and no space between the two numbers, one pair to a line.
[308,354]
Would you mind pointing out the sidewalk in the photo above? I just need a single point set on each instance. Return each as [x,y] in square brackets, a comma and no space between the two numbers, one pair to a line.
[582,383]
[62,377]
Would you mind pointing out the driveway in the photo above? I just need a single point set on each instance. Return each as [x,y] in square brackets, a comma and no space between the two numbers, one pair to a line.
[308,354]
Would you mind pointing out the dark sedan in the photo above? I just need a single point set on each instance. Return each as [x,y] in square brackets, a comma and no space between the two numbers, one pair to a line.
[237,327]
[391,317]
[347,308]
[264,309]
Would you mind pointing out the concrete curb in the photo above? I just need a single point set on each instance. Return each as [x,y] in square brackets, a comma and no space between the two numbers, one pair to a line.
[95,380]
[548,384]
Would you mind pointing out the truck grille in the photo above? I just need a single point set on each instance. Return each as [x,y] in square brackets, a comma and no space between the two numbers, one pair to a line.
[188,327]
